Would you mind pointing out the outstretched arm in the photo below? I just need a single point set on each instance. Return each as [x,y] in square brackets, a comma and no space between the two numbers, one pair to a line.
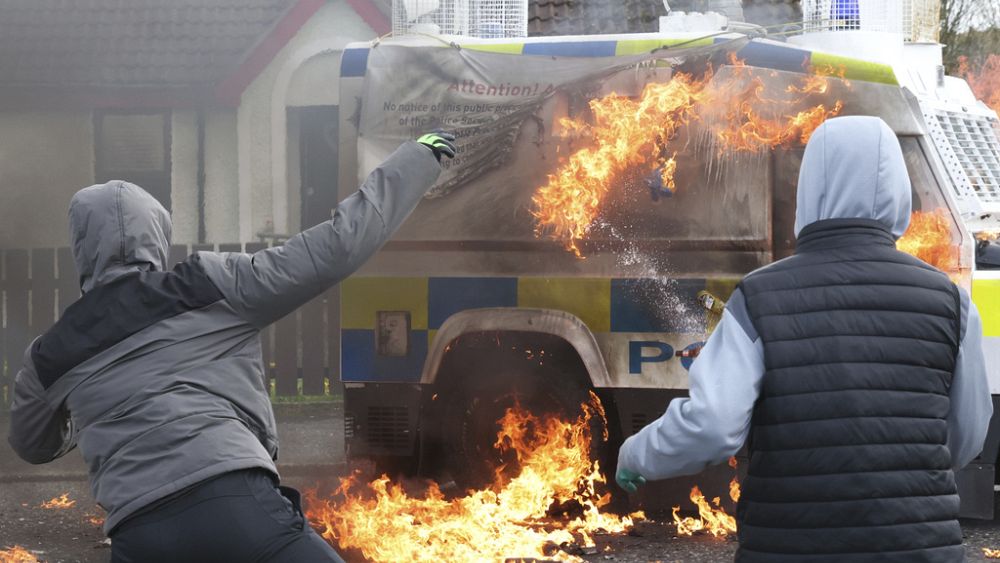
[971,404]
[269,284]
[713,422]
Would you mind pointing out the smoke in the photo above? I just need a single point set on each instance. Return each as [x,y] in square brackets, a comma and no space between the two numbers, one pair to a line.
[660,289]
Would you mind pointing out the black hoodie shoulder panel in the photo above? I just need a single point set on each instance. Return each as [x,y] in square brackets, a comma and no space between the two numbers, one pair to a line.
[112,312]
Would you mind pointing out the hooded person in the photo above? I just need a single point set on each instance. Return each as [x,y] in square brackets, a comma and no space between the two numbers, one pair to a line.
[853,372]
[157,374]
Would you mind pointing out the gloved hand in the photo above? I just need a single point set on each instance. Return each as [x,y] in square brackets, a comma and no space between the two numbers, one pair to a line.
[440,143]
[629,480]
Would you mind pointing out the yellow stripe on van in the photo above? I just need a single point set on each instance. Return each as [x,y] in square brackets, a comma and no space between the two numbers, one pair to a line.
[642,46]
[587,298]
[362,297]
[505,48]
[856,69]
[986,296]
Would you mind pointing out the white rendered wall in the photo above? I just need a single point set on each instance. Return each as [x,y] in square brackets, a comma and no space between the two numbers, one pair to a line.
[264,186]
[45,157]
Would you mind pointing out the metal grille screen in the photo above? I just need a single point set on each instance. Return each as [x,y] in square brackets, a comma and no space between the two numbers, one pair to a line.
[974,141]
[916,20]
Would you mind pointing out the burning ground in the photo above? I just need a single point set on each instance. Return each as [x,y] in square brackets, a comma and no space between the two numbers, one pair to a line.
[24,488]
[550,502]
[547,504]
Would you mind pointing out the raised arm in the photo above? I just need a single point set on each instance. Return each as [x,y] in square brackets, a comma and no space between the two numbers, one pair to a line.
[269,284]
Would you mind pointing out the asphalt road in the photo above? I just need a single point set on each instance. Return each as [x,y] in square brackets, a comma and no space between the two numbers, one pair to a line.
[68,535]
[312,454]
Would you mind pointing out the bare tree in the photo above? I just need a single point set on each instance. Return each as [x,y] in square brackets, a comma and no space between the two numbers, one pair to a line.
[968,28]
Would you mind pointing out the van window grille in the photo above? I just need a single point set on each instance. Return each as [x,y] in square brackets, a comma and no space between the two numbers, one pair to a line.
[973,150]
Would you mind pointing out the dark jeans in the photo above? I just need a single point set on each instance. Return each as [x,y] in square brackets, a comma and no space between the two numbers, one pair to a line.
[236,517]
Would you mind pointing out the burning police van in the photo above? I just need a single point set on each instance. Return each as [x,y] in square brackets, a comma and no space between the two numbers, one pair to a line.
[607,195]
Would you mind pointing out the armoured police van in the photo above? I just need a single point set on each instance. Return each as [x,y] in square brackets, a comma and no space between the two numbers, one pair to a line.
[471,308]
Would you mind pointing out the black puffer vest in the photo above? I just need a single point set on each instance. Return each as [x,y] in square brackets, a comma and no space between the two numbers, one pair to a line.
[848,461]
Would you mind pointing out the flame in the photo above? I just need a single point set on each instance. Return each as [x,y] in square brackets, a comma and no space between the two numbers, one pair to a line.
[509,519]
[929,239]
[17,554]
[711,520]
[991,553]
[984,80]
[734,485]
[96,520]
[60,502]
[989,236]
[634,136]
[626,134]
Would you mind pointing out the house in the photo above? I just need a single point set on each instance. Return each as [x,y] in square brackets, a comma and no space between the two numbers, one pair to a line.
[225,110]
[198,101]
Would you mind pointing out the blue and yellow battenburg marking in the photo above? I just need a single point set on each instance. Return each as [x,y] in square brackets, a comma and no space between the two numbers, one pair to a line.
[762,54]
[605,305]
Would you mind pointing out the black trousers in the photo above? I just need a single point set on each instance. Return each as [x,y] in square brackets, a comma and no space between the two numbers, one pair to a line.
[237,517]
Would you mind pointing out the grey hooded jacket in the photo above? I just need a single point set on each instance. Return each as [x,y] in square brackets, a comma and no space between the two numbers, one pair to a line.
[157,375]
[852,169]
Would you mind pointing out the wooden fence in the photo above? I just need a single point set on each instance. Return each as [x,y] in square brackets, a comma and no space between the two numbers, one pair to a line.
[301,350]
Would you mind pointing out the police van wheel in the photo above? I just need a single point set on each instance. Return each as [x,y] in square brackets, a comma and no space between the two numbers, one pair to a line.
[467,427]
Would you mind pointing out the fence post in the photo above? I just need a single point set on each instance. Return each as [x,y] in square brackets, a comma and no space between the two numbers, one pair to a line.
[3,328]
[286,348]
[43,290]
[333,340]
[178,253]
[313,338]
[17,288]
[266,334]
[68,281]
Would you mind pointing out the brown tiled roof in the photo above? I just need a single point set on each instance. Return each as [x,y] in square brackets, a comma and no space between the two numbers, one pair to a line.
[130,42]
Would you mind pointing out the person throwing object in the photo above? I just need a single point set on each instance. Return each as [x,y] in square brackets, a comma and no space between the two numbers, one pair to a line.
[157,375]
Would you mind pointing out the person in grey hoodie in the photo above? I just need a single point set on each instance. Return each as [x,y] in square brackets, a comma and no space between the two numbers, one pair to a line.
[157,374]
[853,372]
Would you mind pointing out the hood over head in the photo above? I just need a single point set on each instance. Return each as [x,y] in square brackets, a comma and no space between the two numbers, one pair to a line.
[853,168]
[117,228]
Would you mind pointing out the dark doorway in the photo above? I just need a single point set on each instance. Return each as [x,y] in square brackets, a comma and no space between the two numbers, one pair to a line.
[318,157]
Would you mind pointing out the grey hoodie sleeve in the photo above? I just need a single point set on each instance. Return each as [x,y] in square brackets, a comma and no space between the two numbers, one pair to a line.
[971,404]
[269,284]
[38,432]
[714,421]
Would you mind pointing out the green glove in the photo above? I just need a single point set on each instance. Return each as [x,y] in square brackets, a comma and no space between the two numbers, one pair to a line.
[629,480]
[440,143]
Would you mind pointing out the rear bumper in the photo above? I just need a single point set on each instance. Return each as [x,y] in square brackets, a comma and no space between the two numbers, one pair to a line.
[380,419]
[975,488]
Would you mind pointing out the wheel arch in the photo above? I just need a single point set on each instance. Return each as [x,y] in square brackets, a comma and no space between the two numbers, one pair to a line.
[549,322]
